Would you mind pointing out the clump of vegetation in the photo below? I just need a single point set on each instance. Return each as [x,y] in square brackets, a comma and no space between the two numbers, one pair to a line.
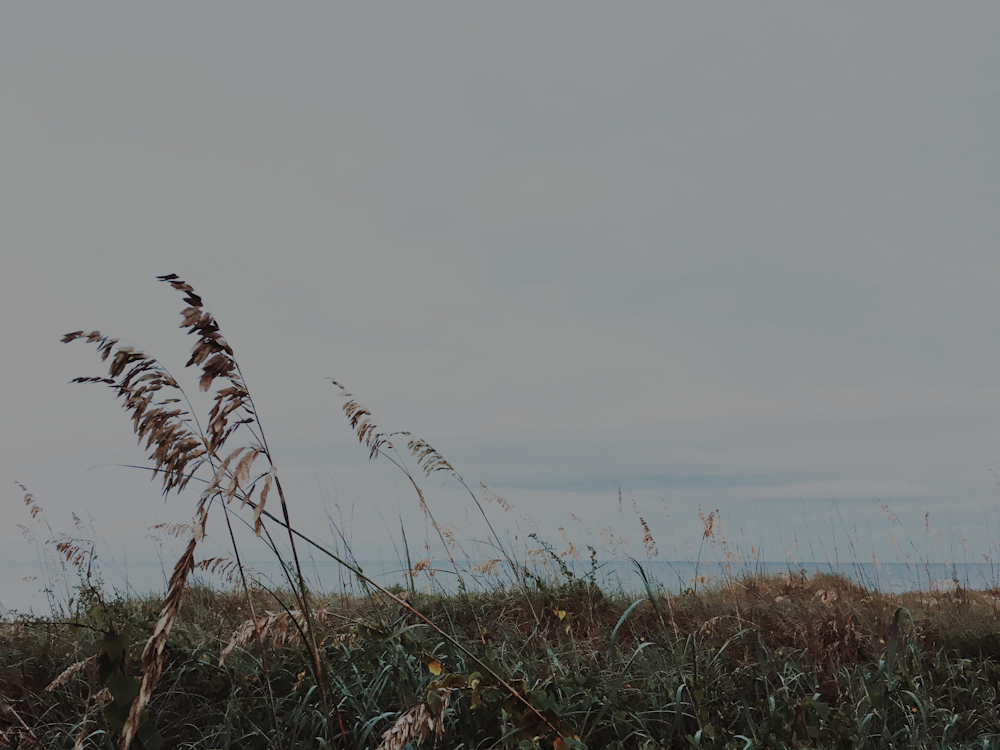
[550,657]
[775,662]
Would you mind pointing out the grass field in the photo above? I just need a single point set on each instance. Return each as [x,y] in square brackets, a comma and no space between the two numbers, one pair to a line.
[762,662]
[528,648]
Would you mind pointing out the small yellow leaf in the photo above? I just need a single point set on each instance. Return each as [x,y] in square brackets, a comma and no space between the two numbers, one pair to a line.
[435,667]
[561,613]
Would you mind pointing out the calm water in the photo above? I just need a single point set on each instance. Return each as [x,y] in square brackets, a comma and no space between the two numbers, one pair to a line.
[671,576]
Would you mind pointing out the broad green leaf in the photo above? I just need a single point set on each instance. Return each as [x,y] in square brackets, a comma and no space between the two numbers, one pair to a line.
[150,737]
[122,687]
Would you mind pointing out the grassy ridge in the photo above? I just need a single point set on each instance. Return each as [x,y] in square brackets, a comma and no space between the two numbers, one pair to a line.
[541,657]
[776,662]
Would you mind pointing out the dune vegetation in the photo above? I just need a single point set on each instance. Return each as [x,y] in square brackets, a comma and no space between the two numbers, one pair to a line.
[528,649]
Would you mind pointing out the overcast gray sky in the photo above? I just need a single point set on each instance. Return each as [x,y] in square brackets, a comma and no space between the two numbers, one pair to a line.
[728,255]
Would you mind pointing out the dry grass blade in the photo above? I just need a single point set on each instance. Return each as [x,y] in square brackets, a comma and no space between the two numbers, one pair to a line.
[417,724]
[152,654]
[364,425]
[259,508]
[175,530]
[179,451]
[493,497]
[220,473]
[61,680]
[225,567]
[488,567]
[138,379]
[420,565]
[241,475]
[280,628]
[429,459]
[648,541]
[33,508]
[73,553]
[215,357]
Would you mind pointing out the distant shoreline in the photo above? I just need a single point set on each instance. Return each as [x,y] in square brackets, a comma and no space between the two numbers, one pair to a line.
[670,576]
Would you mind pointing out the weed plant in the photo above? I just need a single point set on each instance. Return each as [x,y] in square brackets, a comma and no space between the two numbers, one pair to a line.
[544,655]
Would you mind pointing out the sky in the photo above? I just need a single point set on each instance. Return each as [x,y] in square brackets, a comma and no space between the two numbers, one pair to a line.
[718,256]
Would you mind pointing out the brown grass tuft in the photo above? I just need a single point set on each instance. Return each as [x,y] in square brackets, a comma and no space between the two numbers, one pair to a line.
[138,379]
[488,567]
[71,670]
[421,565]
[492,497]
[362,422]
[280,628]
[429,459]
[175,530]
[417,724]
[33,508]
[225,567]
[647,539]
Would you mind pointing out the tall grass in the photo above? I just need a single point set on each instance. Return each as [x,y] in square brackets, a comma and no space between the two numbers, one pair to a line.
[530,648]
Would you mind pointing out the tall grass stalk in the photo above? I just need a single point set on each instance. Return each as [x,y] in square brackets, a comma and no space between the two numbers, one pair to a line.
[179,446]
